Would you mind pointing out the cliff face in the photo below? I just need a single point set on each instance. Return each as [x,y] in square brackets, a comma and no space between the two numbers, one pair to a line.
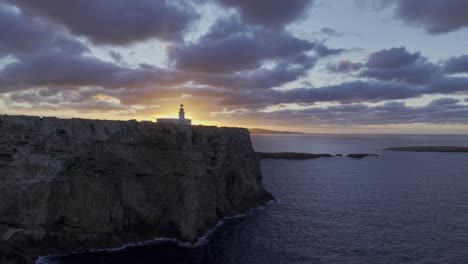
[80,184]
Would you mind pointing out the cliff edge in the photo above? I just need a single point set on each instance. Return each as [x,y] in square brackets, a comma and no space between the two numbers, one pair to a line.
[75,185]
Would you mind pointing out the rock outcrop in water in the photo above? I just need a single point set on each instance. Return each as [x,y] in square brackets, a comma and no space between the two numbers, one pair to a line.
[74,185]
[291,155]
[360,155]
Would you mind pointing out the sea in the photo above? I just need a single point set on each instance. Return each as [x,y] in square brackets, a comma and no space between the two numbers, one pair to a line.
[398,207]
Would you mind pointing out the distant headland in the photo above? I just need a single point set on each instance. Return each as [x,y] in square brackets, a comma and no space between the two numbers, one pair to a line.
[304,156]
[430,149]
[266,131]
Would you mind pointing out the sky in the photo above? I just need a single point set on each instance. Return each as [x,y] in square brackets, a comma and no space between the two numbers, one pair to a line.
[334,66]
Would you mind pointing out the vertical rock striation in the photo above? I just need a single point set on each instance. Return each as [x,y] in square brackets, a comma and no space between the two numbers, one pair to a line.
[74,184]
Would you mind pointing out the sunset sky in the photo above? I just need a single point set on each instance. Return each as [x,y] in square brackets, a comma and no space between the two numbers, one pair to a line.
[330,66]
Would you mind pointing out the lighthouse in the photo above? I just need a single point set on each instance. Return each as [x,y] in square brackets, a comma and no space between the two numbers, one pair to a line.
[180,121]
[181,112]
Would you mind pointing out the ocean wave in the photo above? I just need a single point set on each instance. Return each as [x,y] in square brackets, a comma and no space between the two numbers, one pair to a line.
[203,240]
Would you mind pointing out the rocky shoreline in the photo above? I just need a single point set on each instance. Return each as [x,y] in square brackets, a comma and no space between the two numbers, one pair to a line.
[71,185]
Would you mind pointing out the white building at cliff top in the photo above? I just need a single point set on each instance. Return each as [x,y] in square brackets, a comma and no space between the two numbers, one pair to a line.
[175,121]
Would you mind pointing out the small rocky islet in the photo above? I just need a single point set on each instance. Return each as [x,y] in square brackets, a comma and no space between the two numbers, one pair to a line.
[430,149]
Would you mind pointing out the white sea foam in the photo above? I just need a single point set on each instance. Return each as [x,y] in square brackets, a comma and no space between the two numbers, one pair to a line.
[203,240]
[46,260]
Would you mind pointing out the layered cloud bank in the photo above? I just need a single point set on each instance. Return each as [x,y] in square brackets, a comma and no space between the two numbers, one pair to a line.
[233,58]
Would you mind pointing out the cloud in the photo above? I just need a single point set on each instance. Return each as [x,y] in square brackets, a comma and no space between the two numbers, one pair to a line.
[435,16]
[232,46]
[239,56]
[394,112]
[392,58]
[57,69]
[117,57]
[348,92]
[246,63]
[449,85]
[81,100]
[330,32]
[262,78]
[418,73]
[324,51]
[398,64]
[360,91]
[67,64]
[268,13]
[118,22]
[344,66]
[457,64]
[23,35]
[45,55]
[444,101]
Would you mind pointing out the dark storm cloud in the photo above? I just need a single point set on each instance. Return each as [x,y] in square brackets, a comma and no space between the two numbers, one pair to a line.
[392,58]
[406,76]
[435,16]
[55,65]
[401,114]
[400,65]
[359,91]
[47,56]
[444,101]
[268,13]
[261,78]
[449,85]
[21,35]
[348,92]
[118,22]
[44,55]
[360,114]
[232,46]
[418,73]
[64,102]
[243,62]
[117,57]
[70,71]
[239,56]
[57,69]
[457,65]
[344,66]
[31,97]
[324,51]
[56,99]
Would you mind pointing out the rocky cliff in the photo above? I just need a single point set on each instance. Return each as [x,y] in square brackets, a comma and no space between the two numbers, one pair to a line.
[73,184]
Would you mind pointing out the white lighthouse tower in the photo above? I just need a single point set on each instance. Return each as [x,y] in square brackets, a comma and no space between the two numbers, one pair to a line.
[180,121]
[181,112]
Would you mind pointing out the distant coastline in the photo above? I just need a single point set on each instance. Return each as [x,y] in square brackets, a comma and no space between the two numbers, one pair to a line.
[430,149]
[303,156]
[266,131]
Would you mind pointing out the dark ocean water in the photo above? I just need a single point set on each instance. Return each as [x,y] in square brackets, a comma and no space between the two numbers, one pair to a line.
[400,207]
